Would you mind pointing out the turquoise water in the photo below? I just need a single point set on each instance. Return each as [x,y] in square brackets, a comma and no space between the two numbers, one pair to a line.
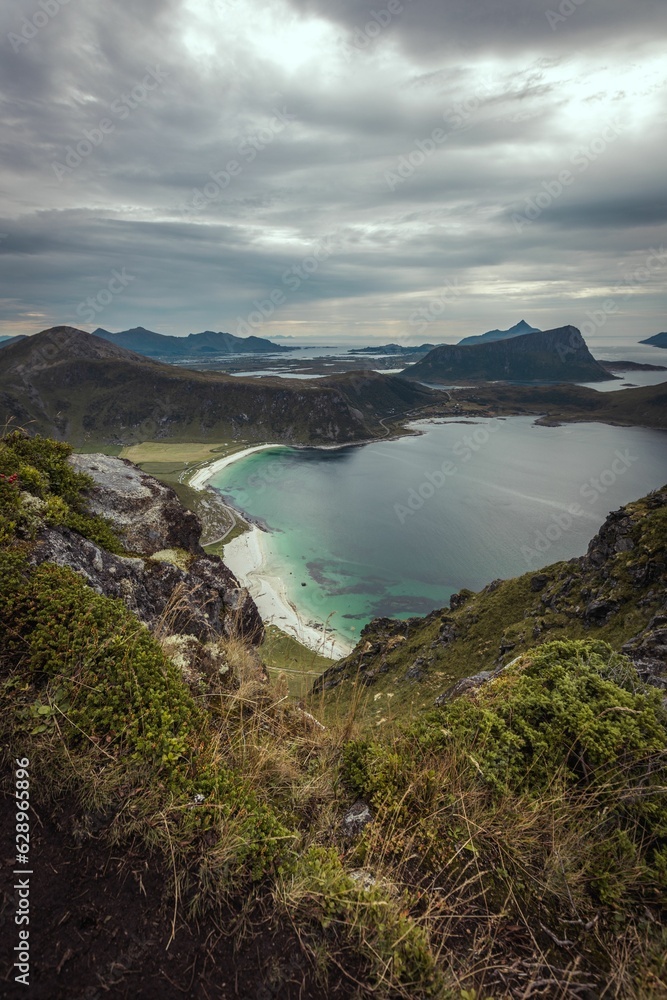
[394,528]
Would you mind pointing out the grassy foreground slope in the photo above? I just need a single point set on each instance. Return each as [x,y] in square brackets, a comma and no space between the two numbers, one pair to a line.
[510,843]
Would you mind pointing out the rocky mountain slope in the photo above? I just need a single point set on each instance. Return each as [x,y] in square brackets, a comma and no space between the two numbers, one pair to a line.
[161,573]
[559,355]
[83,389]
[616,592]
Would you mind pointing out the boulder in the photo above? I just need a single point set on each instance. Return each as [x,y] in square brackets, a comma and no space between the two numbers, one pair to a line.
[356,818]
[648,651]
[146,514]
[466,685]
[205,601]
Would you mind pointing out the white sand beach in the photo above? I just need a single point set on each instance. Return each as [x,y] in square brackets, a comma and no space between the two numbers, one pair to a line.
[200,478]
[246,558]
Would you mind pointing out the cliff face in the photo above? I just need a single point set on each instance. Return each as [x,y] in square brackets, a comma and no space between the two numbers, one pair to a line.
[167,581]
[559,355]
[616,592]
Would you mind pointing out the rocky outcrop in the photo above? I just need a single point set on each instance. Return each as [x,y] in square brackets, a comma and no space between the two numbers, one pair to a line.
[648,651]
[205,600]
[146,514]
[166,579]
[465,685]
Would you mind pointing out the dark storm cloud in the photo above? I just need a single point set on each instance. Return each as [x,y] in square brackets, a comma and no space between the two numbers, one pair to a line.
[181,143]
[490,25]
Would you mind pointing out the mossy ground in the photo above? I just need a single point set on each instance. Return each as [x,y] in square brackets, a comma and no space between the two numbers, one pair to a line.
[518,845]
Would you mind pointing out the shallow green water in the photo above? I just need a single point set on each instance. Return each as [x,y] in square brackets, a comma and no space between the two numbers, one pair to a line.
[394,528]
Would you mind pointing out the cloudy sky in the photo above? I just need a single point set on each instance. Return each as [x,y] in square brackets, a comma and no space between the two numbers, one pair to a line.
[329,170]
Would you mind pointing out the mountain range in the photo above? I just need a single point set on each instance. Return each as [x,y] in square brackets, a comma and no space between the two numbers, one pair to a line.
[207,343]
[559,355]
[514,331]
[78,387]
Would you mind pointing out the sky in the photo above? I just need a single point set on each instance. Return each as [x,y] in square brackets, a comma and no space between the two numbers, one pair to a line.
[334,172]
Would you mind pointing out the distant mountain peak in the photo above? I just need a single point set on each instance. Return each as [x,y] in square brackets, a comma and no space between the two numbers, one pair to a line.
[518,330]
[559,355]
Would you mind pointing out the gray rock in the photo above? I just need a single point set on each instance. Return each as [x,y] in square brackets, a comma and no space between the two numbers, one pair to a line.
[538,582]
[598,610]
[466,685]
[205,601]
[146,514]
[356,818]
[457,600]
[648,652]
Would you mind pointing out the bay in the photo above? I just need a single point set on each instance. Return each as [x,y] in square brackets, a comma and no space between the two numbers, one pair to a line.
[393,528]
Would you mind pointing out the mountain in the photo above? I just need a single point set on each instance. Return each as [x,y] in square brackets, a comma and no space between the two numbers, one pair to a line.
[6,341]
[80,388]
[518,330]
[394,349]
[658,340]
[552,356]
[159,345]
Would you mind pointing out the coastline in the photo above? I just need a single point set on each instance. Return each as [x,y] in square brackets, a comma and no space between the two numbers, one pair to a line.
[246,558]
[199,478]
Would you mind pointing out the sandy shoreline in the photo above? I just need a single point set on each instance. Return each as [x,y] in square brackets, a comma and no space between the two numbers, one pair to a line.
[200,478]
[246,558]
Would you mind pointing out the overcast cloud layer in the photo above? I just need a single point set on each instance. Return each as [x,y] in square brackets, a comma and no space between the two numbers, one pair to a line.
[407,170]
